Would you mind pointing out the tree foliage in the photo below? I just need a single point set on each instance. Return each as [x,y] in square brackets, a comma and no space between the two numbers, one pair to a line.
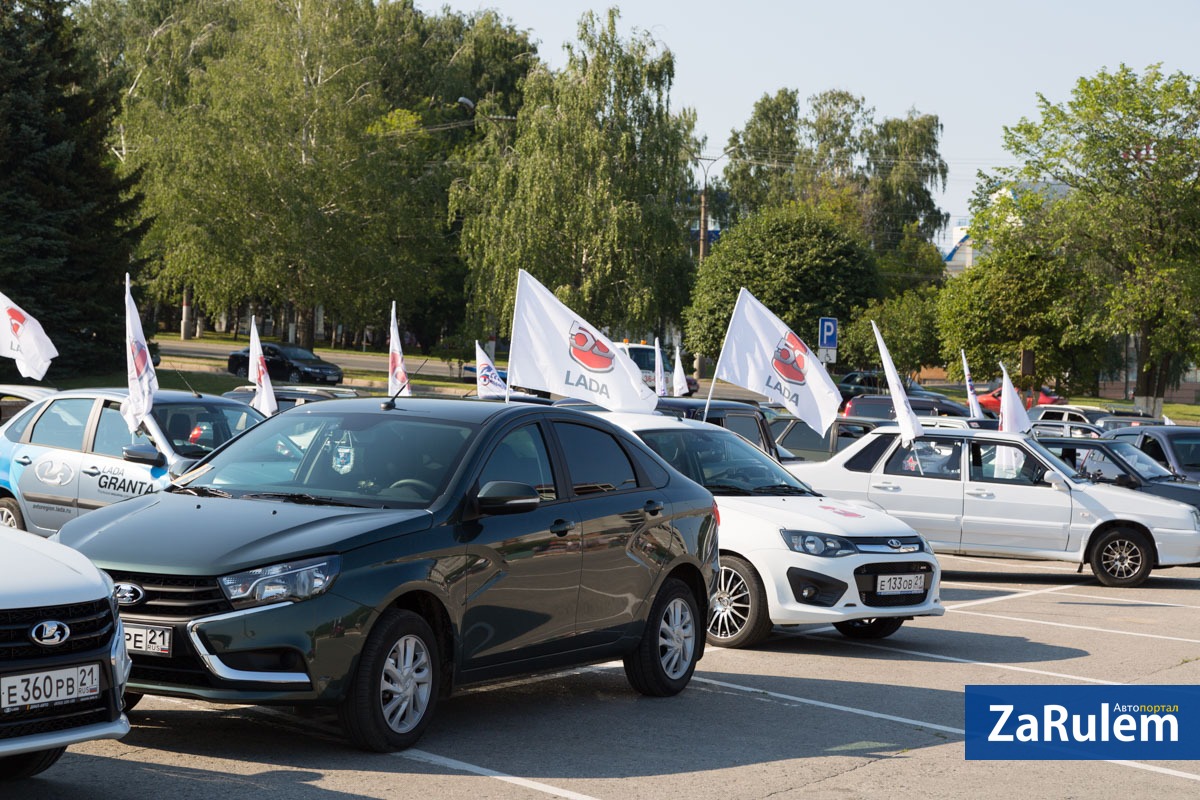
[1108,180]
[798,262]
[581,189]
[67,219]
[908,323]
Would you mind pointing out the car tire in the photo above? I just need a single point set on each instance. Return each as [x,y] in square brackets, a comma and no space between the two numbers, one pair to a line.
[1122,557]
[737,615]
[10,514]
[873,628]
[665,657]
[394,689]
[294,376]
[242,371]
[26,765]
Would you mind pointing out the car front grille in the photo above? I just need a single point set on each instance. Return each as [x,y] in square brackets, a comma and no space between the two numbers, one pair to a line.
[91,626]
[864,578]
[62,718]
[174,597]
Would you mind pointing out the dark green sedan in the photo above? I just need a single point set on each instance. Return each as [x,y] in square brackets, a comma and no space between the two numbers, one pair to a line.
[374,557]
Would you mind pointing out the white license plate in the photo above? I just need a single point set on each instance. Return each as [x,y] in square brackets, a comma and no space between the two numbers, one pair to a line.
[148,639]
[899,584]
[53,687]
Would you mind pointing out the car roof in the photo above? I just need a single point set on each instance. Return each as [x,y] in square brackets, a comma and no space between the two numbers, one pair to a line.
[121,393]
[655,422]
[678,403]
[28,392]
[966,433]
[471,411]
[1153,429]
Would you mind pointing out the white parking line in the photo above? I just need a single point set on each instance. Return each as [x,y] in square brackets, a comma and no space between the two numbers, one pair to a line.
[1079,627]
[462,766]
[1012,596]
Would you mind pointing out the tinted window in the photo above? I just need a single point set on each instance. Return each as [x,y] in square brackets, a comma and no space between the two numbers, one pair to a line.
[112,434]
[197,428]
[866,459]
[926,458]
[1152,448]
[1186,447]
[521,456]
[62,424]
[849,433]
[596,461]
[1004,463]
[746,426]
[802,437]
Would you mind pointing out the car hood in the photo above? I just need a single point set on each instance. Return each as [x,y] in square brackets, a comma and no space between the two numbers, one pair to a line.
[41,573]
[816,514]
[180,534]
[1139,505]
[1183,492]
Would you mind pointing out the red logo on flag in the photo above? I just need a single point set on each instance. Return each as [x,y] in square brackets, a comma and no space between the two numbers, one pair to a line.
[588,351]
[262,370]
[16,320]
[789,358]
[141,358]
[395,368]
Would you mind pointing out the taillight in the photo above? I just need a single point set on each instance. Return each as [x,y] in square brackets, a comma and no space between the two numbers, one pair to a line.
[716,513]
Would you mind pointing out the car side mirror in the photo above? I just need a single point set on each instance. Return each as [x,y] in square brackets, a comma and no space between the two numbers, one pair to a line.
[143,454]
[1056,481]
[1124,481]
[507,497]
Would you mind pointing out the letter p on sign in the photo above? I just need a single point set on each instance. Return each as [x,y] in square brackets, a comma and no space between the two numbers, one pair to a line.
[827,333]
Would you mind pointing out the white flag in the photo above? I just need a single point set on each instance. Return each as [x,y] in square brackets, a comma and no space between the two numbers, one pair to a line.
[264,392]
[660,377]
[679,377]
[1167,420]
[397,374]
[910,426]
[972,398]
[143,383]
[488,382]
[763,355]
[24,341]
[556,350]
[1013,416]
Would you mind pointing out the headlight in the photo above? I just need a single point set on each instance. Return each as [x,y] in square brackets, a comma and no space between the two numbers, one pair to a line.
[926,546]
[295,580]
[818,544]
[1196,518]
[112,593]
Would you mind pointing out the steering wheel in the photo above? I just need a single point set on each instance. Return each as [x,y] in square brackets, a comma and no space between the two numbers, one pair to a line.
[407,483]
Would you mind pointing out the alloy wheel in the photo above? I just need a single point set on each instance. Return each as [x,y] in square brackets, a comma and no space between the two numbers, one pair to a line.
[676,638]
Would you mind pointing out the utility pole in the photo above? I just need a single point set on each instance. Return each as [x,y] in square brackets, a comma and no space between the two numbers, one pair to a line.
[705,163]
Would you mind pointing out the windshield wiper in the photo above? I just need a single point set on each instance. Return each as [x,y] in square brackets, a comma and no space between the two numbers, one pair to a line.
[200,491]
[725,488]
[302,498]
[782,488]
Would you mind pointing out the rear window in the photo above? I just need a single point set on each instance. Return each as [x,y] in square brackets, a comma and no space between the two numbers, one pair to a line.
[866,459]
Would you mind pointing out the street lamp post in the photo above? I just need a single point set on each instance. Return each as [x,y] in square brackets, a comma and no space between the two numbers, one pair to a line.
[705,163]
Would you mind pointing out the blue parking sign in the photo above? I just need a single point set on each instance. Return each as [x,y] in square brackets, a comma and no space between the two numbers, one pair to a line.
[827,333]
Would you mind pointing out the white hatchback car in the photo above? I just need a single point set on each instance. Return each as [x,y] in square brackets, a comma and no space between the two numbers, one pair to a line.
[63,665]
[989,493]
[789,555]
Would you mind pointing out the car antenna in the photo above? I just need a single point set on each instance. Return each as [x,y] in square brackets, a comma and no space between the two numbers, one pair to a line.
[389,404]
[185,383]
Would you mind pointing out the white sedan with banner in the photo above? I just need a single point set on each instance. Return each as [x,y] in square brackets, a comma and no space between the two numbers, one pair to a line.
[789,555]
[988,493]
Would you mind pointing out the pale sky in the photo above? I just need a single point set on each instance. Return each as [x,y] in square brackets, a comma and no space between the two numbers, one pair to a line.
[978,65]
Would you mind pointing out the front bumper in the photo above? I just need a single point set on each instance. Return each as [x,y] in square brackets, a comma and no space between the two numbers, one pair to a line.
[844,587]
[1177,547]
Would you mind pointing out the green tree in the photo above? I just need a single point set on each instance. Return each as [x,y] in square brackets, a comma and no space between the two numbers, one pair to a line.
[1108,180]
[798,262]
[67,219]
[762,166]
[582,190]
[908,323]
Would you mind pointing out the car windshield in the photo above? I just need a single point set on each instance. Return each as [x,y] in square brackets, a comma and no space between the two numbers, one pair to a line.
[1143,465]
[643,357]
[723,462]
[1187,449]
[1055,462]
[299,354]
[196,428]
[365,459]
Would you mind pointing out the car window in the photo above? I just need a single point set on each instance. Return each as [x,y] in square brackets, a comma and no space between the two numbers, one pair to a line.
[15,429]
[1186,447]
[595,460]
[866,459]
[926,458]
[849,433]
[112,433]
[1152,448]
[1050,414]
[721,461]
[992,462]
[1100,467]
[746,426]
[62,424]
[196,428]
[802,437]
[521,456]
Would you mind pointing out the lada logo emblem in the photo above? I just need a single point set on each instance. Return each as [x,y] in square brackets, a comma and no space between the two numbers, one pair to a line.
[49,633]
[895,544]
[789,358]
[588,351]
[129,594]
[54,473]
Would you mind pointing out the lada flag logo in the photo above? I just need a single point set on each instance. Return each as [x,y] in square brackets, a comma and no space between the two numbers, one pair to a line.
[789,358]
[141,357]
[396,368]
[16,320]
[589,351]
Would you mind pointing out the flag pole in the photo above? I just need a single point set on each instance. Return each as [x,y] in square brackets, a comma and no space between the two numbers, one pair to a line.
[717,368]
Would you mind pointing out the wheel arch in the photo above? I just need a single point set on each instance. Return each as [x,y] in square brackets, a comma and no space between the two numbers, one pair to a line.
[1113,524]
[430,608]
[692,577]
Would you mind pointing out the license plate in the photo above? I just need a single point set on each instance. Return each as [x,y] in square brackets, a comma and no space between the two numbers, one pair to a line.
[52,687]
[899,584]
[148,639]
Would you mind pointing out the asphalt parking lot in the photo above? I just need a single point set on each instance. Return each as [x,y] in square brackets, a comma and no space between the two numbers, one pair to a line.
[808,714]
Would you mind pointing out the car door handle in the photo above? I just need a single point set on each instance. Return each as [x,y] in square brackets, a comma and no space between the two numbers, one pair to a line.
[887,487]
[91,472]
[979,493]
[24,461]
[653,507]
[562,527]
